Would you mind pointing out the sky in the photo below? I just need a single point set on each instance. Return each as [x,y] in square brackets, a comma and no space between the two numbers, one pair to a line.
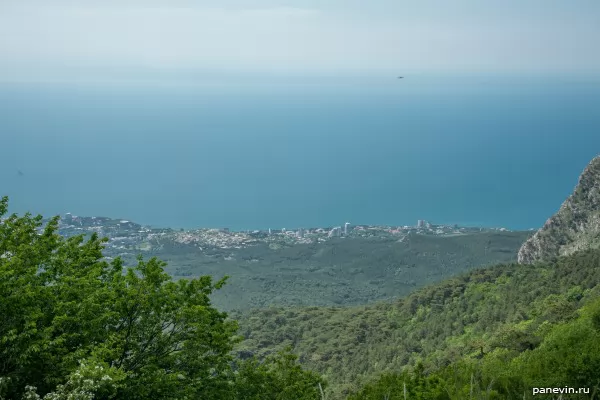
[60,39]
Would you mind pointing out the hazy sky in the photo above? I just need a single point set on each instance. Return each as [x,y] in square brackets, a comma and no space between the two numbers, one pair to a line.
[41,39]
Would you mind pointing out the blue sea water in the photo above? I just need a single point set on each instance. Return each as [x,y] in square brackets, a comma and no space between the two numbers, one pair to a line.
[485,151]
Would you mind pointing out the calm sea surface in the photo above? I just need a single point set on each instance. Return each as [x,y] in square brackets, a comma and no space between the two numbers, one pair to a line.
[290,153]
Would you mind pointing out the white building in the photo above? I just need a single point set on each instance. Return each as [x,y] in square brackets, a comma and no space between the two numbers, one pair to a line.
[335,232]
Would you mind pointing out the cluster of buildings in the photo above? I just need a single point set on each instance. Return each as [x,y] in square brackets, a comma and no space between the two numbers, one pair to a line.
[128,236]
[221,238]
[338,231]
[301,233]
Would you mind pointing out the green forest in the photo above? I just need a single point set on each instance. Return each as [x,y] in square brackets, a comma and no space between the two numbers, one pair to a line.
[340,271]
[513,326]
[76,326]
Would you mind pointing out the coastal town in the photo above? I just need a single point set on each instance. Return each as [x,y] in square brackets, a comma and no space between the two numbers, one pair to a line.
[127,237]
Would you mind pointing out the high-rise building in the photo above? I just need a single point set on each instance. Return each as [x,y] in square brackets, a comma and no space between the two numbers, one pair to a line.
[335,232]
[269,231]
[346,225]
[300,233]
[420,223]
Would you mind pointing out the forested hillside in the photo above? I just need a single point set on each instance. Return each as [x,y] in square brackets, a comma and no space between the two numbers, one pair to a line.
[564,365]
[341,271]
[497,314]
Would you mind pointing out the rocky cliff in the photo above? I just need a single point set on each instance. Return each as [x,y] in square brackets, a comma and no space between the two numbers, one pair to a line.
[575,226]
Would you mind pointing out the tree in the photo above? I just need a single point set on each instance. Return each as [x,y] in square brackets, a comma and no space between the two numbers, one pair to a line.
[568,356]
[61,303]
[278,377]
[406,385]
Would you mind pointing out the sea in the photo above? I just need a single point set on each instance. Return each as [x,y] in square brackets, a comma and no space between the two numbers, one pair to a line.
[291,152]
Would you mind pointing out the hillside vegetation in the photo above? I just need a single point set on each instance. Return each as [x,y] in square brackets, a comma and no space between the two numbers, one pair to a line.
[346,271]
[497,313]
[564,365]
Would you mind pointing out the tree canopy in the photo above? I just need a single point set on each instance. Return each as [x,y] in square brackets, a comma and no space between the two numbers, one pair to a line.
[74,324]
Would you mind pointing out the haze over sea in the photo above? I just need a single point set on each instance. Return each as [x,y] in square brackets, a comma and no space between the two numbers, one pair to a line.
[300,152]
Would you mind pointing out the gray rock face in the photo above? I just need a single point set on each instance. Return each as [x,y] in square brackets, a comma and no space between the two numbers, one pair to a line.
[576,226]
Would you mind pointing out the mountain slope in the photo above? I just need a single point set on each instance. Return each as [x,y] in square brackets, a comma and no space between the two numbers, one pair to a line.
[576,226]
[341,271]
[501,308]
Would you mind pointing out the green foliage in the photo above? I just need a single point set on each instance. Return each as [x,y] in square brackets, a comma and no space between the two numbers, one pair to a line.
[73,326]
[489,314]
[279,377]
[90,381]
[568,356]
[408,385]
[339,272]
